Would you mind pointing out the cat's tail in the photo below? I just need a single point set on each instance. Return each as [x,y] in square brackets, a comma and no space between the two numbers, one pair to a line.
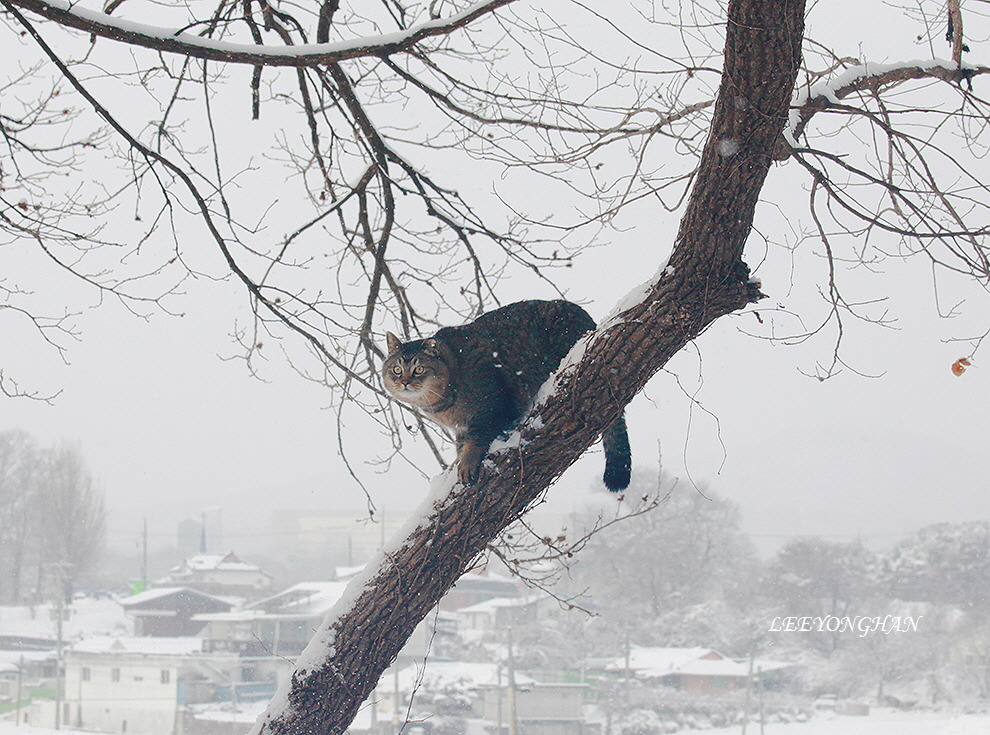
[618,457]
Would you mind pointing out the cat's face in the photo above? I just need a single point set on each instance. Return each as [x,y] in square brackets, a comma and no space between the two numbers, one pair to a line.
[416,372]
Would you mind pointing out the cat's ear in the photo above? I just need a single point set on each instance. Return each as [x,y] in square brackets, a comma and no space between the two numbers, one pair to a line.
[393,342]
[431,345]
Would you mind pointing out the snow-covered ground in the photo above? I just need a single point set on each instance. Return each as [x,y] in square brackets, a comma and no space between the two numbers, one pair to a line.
[9,728]
[879,722]
[86,616]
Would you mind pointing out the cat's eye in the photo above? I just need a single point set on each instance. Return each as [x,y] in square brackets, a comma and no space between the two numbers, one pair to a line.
[419,370]
[396,370]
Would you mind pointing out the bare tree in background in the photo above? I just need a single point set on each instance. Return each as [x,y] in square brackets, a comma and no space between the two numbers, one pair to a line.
[682,109]
[19,477]
[703,553]
[52,519]
[71,518]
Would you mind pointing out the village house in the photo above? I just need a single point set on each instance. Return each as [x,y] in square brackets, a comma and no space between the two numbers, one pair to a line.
[499,613]
[218,574]
[124,684]
[29,644]
[146,685]
[698,669]
[169,611]
[281,626]
[506,701]
[478,586]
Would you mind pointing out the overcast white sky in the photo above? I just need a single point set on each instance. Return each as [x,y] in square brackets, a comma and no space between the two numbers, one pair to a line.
[169,428]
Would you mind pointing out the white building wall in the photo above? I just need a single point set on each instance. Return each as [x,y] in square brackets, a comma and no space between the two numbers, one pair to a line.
[122,693]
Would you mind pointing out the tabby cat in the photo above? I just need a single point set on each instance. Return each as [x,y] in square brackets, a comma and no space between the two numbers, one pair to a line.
[480,378]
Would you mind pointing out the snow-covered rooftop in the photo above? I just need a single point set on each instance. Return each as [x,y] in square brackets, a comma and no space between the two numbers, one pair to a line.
[342,573]
[246,713]
[495,603]
[146,645]
[656,661]
[149,595]
[214,562]
[447,675]
[159,592]
[712,667]
[11,660]
[304,600]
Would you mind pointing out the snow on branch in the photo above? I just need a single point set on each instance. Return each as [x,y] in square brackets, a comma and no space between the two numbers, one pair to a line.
[98,23]
[869,78]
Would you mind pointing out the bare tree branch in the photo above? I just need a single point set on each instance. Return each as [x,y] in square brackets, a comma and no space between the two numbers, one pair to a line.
[72,15]
[873,78]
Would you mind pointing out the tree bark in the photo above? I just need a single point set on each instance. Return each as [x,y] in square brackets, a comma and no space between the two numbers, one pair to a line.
[705,278]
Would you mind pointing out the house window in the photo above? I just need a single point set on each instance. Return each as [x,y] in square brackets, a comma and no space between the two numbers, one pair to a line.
[115,674]
[166,676]
[718,682]
[85,673]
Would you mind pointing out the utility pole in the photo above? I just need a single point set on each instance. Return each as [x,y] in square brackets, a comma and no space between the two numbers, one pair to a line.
[763,714]
[749,693]
[20,689]
[396,700]
[498,701]
[144,555]
[59,612]
[374,711]
[511,671]
[628,665]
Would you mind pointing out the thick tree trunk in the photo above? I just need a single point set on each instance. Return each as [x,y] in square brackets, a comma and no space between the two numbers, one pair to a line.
[705,279]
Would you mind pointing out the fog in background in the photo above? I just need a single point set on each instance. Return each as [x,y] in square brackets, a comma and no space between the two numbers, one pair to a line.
[171,427]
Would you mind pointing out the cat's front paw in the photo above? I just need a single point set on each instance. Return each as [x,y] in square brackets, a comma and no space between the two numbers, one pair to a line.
[469,456]
[467,474]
